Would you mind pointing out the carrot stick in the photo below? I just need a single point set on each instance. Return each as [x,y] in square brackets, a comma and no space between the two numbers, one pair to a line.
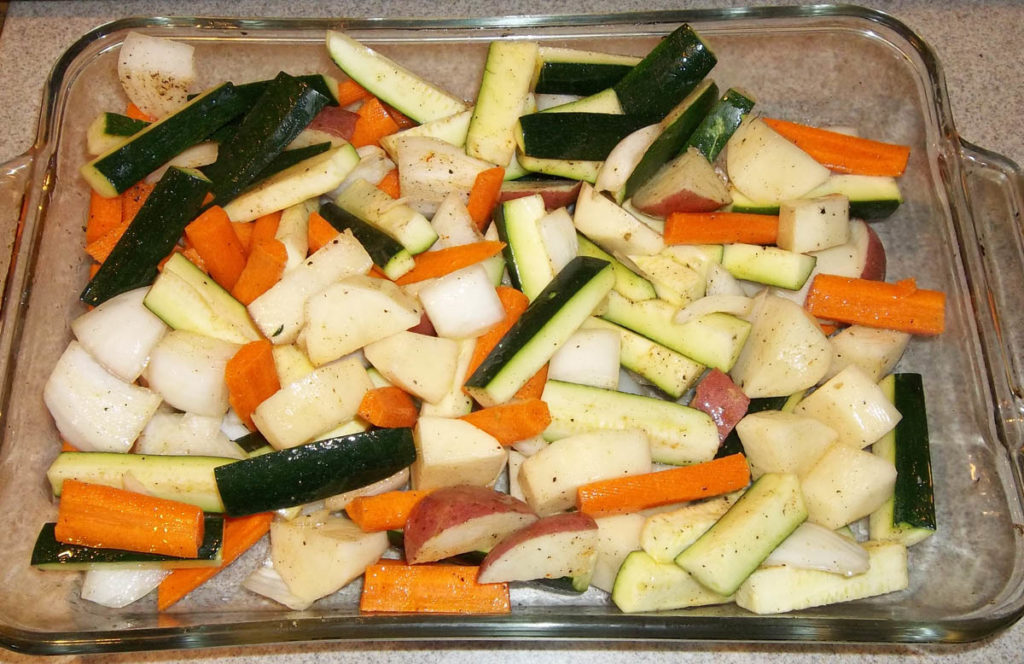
[109,518]
[131,201]
[483,196]
[720,228]
[385,511]
[133,198]
[373,124]
[513,421]
[104,216]
[388,407]
[136,113]
[900,306]
[514,303]
[319,232]
[65,446]
[264,229]
[251,377]
[263,269]
[637,492]
[398,588]
[349,92]
[431,264]
[243,229]
[240,533]
[390,185]
[215,240]
[193,256]
[376,272]
[843,153]
[533,388]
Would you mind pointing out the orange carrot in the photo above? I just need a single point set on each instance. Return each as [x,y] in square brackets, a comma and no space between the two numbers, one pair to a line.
[131,201]
[93,269]
[513,421]
[390,185]
[133,198]
[109,518]
[101,247]
[251,377]
[401,119]
[136,113]
[388,407]
[215,240]
[721,228]
[319,232]
[843,153]
[243,229]
[827,328]
[349,92]
[264,229]
[240,533]
[534,388]
[431,264]
[900,306]
[637,492]
[263,269]
[385,511]
[514,303]
[104,216]
[398,588]
[484,195]
[373,124]
[65,446]
[375,271]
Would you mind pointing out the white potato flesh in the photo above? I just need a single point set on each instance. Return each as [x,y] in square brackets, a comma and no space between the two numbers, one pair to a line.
[155,73]
[429,169]
[550,548]
[854,405]
[873,349]
[550,477]
[613,228]
[120,333]
[589,357]
[814,224]
[785,351]
[94,410]
[846,484]
[422,365]
[673,282]
[293,232]
[462,304]
[617,536]
[318,554]
[186,434]
[291,364]
[451,452]
[780,442]
[395,482]
[354,312]
[455,402]
[767,168]
[323,400]
[187,370]
[453,224]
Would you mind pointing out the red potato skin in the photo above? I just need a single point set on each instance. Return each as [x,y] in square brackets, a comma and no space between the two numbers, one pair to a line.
[336,121]
[424,327]
[874,257]
[455,506]
[549,525]
[683,200]
[722,399]
[555,194]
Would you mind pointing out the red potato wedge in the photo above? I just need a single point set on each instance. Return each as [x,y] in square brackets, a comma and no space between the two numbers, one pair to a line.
[720,398]
[460,519]
[336,121]
[549,548]
[688,183]
[555,193]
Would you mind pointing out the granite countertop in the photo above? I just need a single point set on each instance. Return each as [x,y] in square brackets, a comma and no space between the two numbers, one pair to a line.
[979,45]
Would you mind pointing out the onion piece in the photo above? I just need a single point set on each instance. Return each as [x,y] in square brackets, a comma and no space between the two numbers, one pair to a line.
[811,546]
[623,158]
[462,304]
[155,73]
[201,154]
[736,305]
[559,237]
[265,581]
[116,588]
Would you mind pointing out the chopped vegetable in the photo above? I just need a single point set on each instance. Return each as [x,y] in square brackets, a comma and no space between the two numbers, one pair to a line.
[251,377]
[263,269]
[432,264]
[720,228]
[394,587]
[843,153]
[349,92]
[900,306]
[390,184]
[484,195]
[374,123]
[513,421]
[104,216]
[388,407]
[319,232]
[385,511]
[214,238]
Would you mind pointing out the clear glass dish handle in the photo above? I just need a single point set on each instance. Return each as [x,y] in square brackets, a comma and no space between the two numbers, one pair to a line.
[995,194]
[14,191]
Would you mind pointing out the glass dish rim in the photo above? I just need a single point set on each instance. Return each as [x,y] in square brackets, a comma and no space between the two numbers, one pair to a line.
[427,627]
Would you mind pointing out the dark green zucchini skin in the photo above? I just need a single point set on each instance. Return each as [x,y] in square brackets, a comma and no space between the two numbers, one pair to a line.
[381,246]
[666,75]
[566,283]
[48,553]
[113,172]
[575,136]
[720,123]
[673,139]
[914,496]
[286,106]
[510,258]
[116,124]
[313,471]
[252,442]
[578,78]
[151,236]
[732,443]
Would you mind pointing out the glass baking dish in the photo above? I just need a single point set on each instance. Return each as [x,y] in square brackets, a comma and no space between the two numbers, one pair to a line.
[958,230]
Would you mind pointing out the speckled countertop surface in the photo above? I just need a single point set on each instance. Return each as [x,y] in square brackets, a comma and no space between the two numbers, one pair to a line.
[979,44]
